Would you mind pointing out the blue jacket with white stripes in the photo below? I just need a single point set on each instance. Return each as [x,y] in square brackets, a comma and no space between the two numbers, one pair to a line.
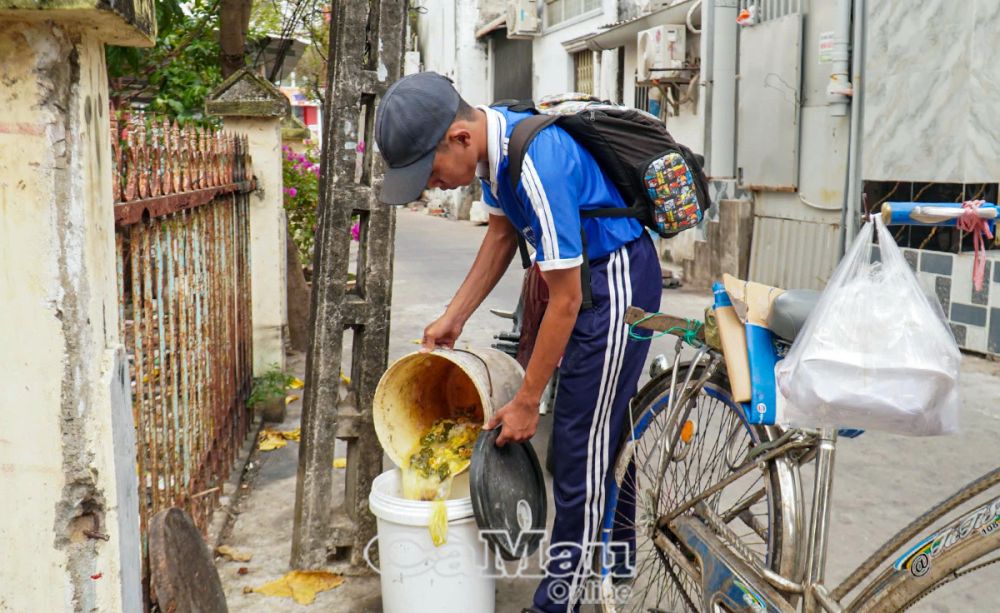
[559,178]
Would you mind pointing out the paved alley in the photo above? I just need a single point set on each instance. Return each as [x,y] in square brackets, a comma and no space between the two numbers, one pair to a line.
[881,480]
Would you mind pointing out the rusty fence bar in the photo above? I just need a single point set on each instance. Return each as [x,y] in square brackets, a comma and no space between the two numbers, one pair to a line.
[182,237]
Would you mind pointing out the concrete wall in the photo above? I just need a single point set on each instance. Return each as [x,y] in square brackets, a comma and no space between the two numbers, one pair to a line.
[553,66]
[448,45]
[67,456]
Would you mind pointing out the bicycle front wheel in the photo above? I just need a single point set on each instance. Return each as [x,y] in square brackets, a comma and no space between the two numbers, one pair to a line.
[954,568]
[761,508]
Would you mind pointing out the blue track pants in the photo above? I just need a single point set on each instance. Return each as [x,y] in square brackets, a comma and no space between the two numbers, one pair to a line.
[598,377]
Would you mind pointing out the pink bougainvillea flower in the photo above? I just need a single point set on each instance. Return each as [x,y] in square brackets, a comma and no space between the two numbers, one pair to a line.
[292,192]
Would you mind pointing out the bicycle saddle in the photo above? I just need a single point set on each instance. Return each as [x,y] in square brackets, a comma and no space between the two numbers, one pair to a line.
[790,310]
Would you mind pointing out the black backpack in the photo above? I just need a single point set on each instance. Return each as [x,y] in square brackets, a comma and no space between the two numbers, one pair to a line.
[660,179]
[663,181]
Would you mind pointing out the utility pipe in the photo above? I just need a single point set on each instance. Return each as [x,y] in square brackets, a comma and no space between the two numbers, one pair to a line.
[852,194]
[706,42]
[722,163]
[838,90]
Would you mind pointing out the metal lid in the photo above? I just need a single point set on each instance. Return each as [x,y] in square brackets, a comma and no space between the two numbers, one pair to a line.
[508,495]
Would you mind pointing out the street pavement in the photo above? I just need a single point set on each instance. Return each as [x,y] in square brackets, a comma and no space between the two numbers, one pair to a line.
[881,481]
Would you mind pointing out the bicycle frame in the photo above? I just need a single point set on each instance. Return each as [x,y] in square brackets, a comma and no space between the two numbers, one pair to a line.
[731,579]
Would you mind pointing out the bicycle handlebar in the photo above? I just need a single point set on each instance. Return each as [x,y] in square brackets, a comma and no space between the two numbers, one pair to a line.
[943,214]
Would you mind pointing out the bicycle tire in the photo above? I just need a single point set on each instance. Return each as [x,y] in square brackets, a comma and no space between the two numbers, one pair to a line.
[781,481]
[915,575]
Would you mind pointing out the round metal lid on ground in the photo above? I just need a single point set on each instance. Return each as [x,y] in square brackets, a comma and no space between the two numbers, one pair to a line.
[508,495]
[182,574]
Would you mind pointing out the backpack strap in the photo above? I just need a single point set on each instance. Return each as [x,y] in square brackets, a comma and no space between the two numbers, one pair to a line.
[636,210]
[524,132]
[587,301]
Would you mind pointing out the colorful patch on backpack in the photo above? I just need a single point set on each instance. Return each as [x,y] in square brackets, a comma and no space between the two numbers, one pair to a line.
[671,187]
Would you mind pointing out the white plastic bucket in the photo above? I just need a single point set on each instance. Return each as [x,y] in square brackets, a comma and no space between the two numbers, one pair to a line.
[418,577]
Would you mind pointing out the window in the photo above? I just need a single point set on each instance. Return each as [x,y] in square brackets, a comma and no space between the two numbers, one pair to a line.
[558,11]
[651,104]
[583,72]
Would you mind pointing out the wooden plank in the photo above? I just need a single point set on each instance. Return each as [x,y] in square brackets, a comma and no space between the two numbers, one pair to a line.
[661,322]
[736,220]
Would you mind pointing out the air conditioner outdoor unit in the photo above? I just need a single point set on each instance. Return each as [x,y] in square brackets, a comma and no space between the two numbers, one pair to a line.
[659,48]
[655,5]
[522,19]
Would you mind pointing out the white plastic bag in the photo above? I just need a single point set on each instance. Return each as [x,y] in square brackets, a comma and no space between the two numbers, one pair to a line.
[875,353]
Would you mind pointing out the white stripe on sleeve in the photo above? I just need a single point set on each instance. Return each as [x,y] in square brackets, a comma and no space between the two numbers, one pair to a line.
[540,202]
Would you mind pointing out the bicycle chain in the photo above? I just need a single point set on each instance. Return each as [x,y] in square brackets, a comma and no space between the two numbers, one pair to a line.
[716,524]
[677,581]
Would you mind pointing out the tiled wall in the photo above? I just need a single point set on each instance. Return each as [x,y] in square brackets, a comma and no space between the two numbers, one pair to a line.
[932,80]
[974,316]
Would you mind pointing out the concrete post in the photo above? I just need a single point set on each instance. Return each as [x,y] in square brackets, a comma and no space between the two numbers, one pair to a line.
[357,80]
[294,134]
[252,106]
[68,485]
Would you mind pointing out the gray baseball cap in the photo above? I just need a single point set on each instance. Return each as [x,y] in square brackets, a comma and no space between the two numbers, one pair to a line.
[411,120]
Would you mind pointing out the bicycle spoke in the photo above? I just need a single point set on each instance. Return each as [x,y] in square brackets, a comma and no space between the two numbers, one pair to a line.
[717,442]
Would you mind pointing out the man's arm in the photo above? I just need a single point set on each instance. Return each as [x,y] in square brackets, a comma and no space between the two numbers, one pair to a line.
[520,416]
[492,261]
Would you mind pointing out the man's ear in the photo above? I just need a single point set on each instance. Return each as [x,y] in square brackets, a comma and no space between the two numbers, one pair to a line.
[460,135]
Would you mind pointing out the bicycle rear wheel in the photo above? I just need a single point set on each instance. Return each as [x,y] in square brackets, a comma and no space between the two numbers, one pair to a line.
[761,508]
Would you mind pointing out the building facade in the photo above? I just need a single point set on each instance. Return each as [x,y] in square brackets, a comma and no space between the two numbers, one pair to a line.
[808,113]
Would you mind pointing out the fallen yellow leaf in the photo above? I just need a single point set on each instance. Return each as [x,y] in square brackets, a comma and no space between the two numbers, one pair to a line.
[296,383]
[270,440]
[345,379]
[340,462]
[289,399]
[232,554]
[301,585]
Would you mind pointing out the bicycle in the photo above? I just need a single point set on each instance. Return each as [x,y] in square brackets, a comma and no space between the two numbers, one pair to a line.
[719,520]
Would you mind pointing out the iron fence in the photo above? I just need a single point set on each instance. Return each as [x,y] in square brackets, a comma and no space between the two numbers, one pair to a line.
[182,240]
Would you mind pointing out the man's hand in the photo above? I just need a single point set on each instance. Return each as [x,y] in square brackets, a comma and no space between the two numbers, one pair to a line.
[491,262]
[443,332]
[519,419]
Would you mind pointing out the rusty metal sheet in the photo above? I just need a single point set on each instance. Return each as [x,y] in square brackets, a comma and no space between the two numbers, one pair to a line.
[770,94]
